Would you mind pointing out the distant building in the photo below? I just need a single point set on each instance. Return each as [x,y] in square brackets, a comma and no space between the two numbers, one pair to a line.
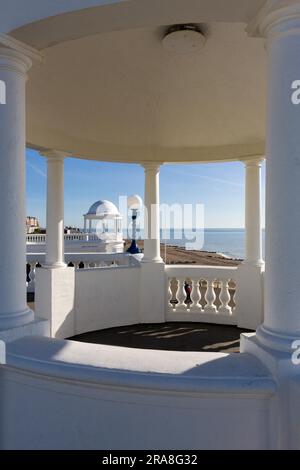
[32,224]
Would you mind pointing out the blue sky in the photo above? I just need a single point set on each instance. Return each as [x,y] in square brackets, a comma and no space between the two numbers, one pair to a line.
[220,187]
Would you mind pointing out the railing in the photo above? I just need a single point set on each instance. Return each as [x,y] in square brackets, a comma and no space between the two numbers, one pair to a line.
[81,237]
[201,293]
[41,238]
[78,261]
[36,238]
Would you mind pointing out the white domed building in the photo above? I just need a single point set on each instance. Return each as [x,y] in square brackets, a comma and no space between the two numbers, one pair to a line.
[101,236]
[104,219]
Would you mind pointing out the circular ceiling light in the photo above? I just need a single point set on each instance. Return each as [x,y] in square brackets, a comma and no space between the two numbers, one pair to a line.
[184,39]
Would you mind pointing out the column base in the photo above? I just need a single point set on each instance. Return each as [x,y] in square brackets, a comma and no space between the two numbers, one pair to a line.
[38,327]
[281,363]
[55,265]
[276,341]
[267,347]
[152,260]
[255,264]
[15,319]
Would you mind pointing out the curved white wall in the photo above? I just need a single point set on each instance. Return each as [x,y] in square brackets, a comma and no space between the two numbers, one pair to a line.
[106,298]
[77,301]
[85,396]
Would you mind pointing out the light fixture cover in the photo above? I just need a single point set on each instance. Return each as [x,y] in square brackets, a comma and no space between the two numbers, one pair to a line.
[183,39]
[134,202]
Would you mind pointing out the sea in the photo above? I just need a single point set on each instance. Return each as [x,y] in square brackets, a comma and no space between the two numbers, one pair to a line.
[228,242]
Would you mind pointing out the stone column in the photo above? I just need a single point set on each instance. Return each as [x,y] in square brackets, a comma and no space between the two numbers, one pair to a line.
[55,210]
[152,283]
[280,25]
[152,226]
[14,312]
[249,295]
[253,230]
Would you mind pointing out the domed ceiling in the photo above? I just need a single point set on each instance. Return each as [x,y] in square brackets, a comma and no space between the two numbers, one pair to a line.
[111,91]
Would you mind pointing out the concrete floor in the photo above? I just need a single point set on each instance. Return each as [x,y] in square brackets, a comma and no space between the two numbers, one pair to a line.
[169,336]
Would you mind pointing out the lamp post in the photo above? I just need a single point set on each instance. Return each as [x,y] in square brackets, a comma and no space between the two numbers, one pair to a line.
[134,203]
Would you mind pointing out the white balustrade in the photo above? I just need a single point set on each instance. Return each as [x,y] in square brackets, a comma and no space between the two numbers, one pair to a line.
[91,260]
[40,238]
[201,293]
[37,238]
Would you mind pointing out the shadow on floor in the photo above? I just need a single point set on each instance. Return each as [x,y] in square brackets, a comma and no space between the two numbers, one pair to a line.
[169,336]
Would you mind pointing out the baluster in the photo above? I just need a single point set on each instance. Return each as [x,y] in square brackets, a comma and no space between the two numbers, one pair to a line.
[31,276]
[27,274]
[175,290]
[181,293]
[210,298]
[195,295]
[171,298]
[233,296]
[225,298]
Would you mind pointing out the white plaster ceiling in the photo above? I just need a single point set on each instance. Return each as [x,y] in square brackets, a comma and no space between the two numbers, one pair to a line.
[118,95]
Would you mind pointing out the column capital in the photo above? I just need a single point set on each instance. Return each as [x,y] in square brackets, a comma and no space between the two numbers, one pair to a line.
[151,166]
[15,55]
[53,155]
[11,60]
[276,17]
[253,162]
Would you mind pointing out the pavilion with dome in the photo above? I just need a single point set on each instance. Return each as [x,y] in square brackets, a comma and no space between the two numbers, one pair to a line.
[108,221]
[102,234]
